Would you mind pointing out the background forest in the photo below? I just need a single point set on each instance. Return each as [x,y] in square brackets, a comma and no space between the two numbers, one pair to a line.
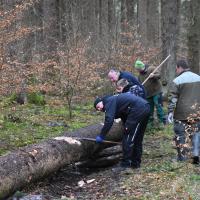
[54,60]
[56,53]
[66,47]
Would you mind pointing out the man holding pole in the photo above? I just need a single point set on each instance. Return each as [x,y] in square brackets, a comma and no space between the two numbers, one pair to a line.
[150,77]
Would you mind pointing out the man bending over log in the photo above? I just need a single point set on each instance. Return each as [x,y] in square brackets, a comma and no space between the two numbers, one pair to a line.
[134,112]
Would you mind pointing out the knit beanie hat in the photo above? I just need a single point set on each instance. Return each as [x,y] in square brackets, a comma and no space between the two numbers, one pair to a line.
[97,100]
[139,64]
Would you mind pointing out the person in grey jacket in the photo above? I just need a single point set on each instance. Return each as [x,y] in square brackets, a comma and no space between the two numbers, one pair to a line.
[184,111]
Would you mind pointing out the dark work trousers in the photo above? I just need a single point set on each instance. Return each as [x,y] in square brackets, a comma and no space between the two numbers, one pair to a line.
[196,144]
[180,138]
[135,126]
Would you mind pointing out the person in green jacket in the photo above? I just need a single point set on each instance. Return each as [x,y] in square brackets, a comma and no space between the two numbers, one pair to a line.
[153,89]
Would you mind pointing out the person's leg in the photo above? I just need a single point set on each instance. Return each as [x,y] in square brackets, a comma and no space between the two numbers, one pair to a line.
[133,137]
[179,129]
[151,103]
[159,108]
[137,147]
[129,133]
[160,99]
[196,145]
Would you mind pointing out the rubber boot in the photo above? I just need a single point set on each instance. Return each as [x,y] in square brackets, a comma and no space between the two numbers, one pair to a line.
[196,147]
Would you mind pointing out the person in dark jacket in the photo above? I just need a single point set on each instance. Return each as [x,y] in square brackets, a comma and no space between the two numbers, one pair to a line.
[134,112]
[115,75]
[123,86]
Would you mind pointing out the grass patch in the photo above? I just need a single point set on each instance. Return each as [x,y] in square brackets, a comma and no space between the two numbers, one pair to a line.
[21,125]
[160,176]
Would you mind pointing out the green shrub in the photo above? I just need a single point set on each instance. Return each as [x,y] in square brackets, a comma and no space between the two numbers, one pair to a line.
[36,98]
[9,100]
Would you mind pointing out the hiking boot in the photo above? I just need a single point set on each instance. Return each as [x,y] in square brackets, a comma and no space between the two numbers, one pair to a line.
[179,159]
[195,160]
[119,168]
[135,166]
[124,165]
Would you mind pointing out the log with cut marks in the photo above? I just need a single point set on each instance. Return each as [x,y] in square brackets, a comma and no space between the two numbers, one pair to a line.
[28,164]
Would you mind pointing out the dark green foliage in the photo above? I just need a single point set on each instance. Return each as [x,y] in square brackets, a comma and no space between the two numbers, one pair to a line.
[36,98]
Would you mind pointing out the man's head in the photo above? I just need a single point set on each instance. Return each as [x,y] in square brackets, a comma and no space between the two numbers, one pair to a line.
[139,65]
[98,104]
[121,84]
[113,75]
[181,66]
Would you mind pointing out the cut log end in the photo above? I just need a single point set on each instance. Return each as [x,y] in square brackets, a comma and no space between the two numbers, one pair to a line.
[69,140]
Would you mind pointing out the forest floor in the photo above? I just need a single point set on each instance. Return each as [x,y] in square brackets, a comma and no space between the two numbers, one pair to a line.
[159,178]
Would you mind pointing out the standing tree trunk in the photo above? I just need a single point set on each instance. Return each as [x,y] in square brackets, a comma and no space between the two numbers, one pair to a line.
[142,21]
[111,25]
[124,23]
[148,21]
[194,36]
[131,14]
[152,23]
[169,34]
[50,28]
[103,27]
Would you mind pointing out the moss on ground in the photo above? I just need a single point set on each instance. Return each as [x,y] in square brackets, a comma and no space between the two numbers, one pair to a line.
[21,125]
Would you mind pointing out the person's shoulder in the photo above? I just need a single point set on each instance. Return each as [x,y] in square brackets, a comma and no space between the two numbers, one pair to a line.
[127,73]
[150,68]
[187,77]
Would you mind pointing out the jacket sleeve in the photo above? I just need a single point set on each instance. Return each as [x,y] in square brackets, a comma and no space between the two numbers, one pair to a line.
[172,98]
[110,110]
[156,73]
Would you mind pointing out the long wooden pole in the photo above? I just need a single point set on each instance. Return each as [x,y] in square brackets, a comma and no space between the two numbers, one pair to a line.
[156,69]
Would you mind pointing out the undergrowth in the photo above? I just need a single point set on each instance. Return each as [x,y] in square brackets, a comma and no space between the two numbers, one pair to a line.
[21,125]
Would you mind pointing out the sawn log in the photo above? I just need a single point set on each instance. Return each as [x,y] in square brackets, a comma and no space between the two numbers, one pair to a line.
[31,163]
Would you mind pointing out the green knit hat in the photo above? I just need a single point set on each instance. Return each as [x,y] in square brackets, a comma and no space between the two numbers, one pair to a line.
[139,64]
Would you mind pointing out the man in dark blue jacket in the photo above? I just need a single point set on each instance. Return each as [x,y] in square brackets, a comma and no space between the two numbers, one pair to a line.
[134,112]
[115,75]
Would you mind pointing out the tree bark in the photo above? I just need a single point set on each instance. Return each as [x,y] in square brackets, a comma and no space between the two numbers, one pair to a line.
[194,36]
[169,35]
[142,21]
[50,28]
[152,23]
[28,164]
[101,162]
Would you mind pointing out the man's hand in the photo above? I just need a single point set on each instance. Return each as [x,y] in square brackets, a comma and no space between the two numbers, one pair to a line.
[99,138]
[170,118]
[151,75]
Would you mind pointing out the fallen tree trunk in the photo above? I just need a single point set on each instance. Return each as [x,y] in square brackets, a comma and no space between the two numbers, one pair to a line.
[28,164]
[105,158]
[100,162]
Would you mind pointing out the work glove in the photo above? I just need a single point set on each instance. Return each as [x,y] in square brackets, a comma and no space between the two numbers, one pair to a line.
[170,118]
[100,138]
